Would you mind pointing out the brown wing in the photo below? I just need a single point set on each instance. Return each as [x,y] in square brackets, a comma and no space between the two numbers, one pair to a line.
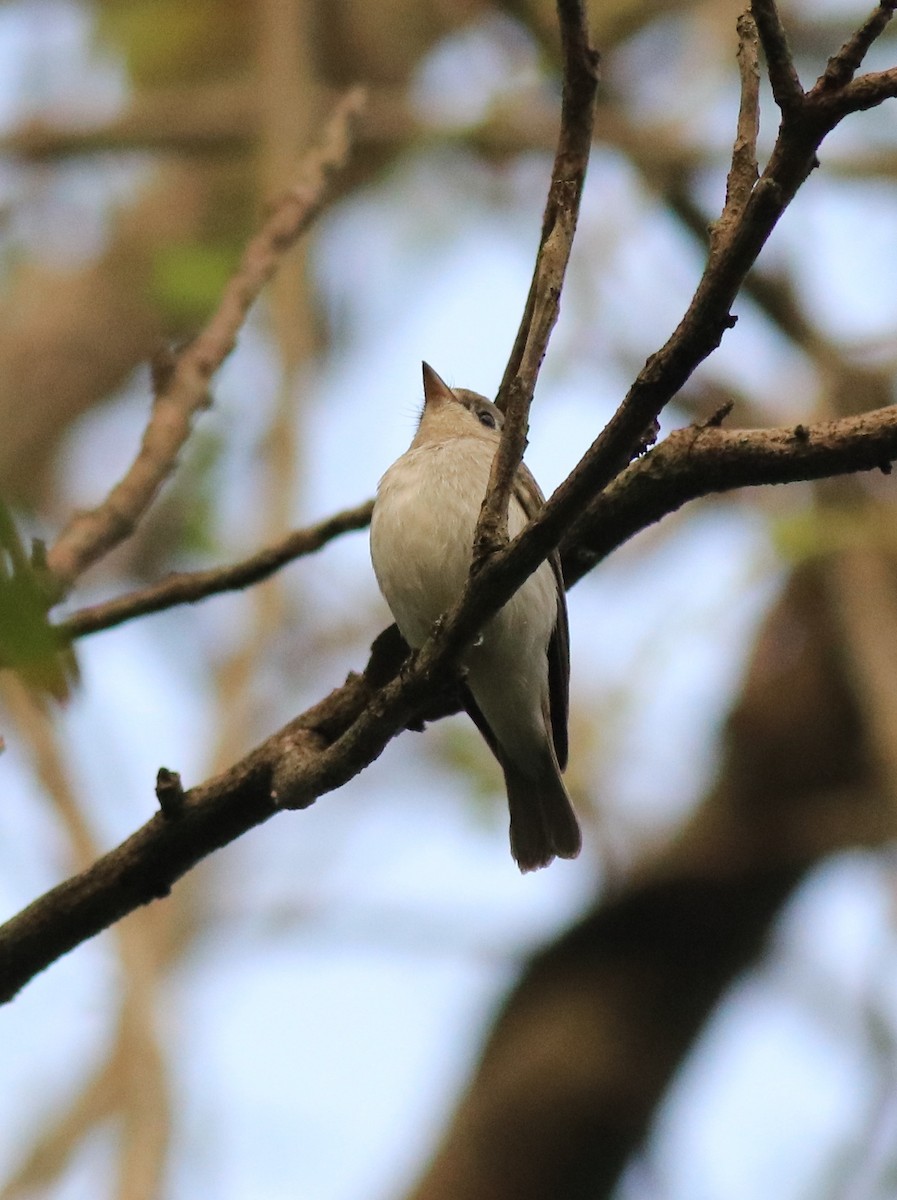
[473,711]
[559,669]
[530,498]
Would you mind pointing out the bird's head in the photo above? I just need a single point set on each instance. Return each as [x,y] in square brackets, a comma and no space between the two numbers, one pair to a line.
[455,412]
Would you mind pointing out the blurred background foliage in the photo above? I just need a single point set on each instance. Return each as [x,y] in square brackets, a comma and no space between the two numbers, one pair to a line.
[714,1013]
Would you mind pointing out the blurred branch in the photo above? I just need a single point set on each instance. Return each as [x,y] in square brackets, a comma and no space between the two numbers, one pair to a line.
[187,587]
[198,119]
[591,1035]
[44,1162]
[161,124]
[568,1085]
[133,1084]
[184,390]
[515,394]
[861,585]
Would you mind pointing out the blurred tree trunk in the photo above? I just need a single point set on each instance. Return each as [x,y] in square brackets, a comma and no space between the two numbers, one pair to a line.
[589,1040]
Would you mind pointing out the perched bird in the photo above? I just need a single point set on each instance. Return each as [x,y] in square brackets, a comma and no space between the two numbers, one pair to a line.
[516,674]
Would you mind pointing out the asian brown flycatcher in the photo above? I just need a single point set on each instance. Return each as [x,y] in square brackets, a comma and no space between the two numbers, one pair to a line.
[516,673]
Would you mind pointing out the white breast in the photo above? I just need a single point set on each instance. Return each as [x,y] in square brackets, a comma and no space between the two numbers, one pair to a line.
[421,538]
[423,526]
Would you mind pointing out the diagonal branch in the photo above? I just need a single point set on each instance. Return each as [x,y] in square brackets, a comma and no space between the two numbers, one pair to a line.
[580,65]
[844,65]
[743,172]
[804,126]
[783,77]
[542,306]
[184,392]
[336,738]
[187,587]
[866,92]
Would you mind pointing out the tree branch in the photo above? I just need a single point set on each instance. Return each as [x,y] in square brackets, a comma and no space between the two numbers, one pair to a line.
[187,587]
[743,172]
[866,92]
[184,392]
[337,738]
[690,463]
[783,77]
[515,394]
[703,461]
[332,741]
[844,65]
[804,126]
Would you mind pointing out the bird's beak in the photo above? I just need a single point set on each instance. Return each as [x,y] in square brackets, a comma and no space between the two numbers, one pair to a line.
[436,390]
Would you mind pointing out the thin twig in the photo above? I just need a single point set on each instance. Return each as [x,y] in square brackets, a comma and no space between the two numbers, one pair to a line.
[866,92]
[743,172]
[804,126]
[783,77]
[187,587]
[540,312]
[844,65]
[580,62]
[91,535]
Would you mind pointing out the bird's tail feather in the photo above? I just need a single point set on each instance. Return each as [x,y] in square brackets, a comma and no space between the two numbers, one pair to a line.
[543,824]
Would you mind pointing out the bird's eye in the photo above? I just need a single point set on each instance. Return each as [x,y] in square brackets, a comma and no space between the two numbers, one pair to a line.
[486,418]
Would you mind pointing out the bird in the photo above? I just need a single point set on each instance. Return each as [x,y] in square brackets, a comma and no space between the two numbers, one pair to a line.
[516,673]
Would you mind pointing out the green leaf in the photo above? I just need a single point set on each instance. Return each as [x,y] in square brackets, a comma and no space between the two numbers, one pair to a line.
[36,650]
